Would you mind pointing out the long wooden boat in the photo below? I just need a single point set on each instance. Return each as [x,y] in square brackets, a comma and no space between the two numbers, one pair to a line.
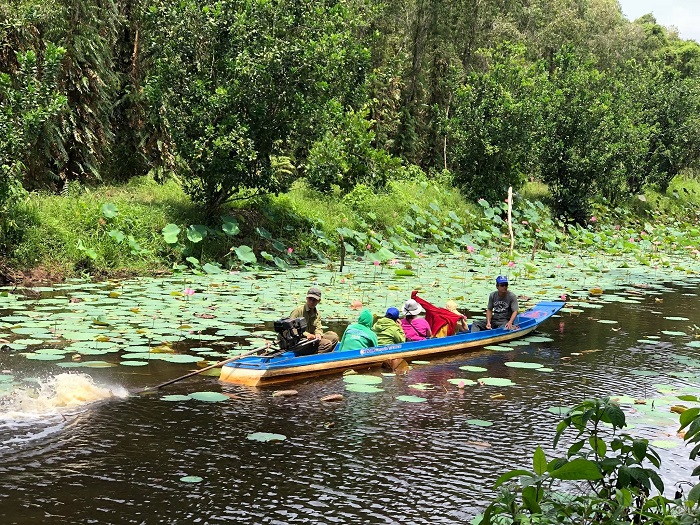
[290,365]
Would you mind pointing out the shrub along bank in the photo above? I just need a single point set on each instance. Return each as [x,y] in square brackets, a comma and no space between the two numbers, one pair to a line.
[144,227]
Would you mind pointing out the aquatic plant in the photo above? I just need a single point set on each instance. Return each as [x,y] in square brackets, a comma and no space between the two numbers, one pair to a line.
[604,477]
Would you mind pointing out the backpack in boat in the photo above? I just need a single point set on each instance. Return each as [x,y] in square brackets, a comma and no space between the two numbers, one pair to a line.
[290,336]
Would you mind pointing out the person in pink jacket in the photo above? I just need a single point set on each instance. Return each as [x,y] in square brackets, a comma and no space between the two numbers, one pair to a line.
[415,328]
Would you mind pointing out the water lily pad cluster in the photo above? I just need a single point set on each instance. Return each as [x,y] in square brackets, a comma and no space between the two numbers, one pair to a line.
[199,319]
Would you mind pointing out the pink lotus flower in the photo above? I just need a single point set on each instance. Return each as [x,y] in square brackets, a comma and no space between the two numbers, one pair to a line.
[511,264]
[188,291]
[369,246]
[376,263]
[563,297]
[342,281]
[393,262]
[593,219]
[290,250]
[470,249]
[525,223]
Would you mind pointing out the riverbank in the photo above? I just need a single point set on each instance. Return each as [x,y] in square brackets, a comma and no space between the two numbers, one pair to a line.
[146,228]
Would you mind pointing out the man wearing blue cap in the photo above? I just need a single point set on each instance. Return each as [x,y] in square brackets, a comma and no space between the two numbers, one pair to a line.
[388,328]
[501,309]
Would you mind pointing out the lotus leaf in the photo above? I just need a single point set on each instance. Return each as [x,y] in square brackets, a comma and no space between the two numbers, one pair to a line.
[175,397]
[422,386]
[191,479]
[368,389]
[495,381]
[265,437]
[664,443]
[470,368]
[209,397]
[133,363]
[518,364]
[360,379]
[458,381]
[479,423]
[411,399]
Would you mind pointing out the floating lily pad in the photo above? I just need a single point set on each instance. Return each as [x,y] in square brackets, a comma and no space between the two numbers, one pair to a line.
[499,348]
[361,379]
[518,364]
[496,381]
[544,369]
[175,397]
[664,443]
[191,479]
[420,362]
[265,437]
[479,423]
[693,344]
[44,357]
[672,318]
[181,358]
[470,368]
[411,399]
[673,333]
[607,321]
[367,389]
[648,341]
[422,386]
[465,382]
[538,339]
[560,411]
[133,363]
[209,397]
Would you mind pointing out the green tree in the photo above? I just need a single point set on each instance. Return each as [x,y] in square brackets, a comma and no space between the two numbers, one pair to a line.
[238,82]
[592,139]
[345,156]
[28,99]
[491,133]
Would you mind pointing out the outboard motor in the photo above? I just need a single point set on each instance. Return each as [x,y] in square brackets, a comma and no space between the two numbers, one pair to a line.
[290,336]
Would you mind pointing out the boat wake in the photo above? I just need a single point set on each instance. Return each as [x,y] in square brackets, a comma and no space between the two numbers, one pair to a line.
[32,411]
[54,395]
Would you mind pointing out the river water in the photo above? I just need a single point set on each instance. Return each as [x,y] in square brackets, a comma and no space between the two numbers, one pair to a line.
[100,455]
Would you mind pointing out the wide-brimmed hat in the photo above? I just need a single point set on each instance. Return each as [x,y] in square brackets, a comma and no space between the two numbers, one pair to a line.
[411,307]
[314,293]
[392,313]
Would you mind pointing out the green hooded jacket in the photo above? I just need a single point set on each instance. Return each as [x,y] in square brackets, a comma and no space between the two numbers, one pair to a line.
[388,332]
[359,335]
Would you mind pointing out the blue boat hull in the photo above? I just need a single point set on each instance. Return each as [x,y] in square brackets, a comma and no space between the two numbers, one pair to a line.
[265,370]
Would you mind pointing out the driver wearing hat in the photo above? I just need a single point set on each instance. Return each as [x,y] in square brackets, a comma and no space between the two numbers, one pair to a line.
[310,313]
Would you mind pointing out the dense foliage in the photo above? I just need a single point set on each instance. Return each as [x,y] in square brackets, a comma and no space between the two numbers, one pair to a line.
[235,99]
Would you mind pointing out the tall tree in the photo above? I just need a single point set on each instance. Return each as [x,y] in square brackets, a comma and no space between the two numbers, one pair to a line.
[237,82]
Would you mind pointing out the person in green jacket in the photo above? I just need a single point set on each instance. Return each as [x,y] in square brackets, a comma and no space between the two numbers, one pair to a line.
[359,335]
[388,328]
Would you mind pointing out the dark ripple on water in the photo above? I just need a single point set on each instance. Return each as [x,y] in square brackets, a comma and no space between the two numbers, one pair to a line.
[369,459]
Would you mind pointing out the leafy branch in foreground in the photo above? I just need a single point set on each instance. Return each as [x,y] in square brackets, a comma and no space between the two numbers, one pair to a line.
[607,477]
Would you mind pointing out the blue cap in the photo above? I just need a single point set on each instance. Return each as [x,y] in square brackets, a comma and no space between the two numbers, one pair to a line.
[501,279]
[392,313]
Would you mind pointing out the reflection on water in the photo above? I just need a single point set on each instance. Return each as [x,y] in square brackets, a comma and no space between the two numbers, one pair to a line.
[367,459]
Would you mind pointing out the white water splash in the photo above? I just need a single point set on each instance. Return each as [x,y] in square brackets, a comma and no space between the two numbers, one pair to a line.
[55,395]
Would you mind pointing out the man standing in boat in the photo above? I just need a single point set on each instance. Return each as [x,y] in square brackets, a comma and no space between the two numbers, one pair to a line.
[310,313]
[501,310]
